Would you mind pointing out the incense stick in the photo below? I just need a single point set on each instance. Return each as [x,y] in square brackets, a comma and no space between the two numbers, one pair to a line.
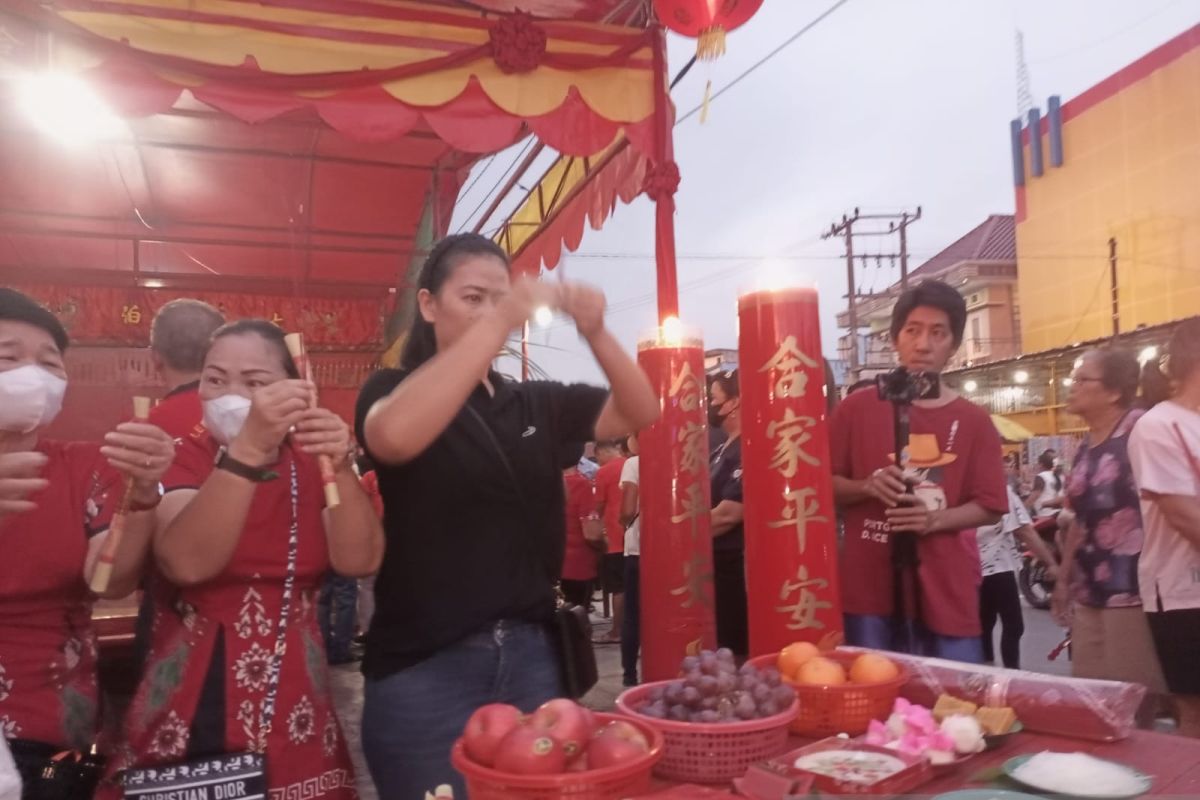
[102,571]
[295,346]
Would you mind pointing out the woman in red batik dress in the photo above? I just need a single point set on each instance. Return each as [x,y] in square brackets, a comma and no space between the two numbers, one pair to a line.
[236,491]
[55,500]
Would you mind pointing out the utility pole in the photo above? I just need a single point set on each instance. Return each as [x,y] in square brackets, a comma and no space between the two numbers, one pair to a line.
[906,219]
[1112,279]
[845,228]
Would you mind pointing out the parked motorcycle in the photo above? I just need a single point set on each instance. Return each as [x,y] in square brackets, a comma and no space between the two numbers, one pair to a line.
[1033,578]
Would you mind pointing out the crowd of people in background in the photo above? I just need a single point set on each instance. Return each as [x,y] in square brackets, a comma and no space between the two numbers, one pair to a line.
[467,506]
[1126,558]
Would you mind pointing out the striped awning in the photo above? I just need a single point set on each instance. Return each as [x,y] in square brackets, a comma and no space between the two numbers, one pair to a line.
[371,69]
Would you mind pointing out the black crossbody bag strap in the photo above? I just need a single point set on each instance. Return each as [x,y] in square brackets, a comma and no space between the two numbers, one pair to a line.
[571,628]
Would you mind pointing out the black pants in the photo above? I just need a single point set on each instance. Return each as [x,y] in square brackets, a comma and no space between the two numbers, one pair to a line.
[631,632]
[999,597]
[577,593]
[729,585]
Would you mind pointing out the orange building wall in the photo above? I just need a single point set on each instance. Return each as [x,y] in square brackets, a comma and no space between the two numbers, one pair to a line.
[1131,170]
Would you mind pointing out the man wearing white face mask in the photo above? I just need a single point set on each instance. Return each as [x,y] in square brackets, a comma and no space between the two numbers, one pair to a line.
[55,502]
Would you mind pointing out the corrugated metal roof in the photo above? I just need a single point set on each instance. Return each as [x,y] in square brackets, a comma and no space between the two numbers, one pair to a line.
[994,239]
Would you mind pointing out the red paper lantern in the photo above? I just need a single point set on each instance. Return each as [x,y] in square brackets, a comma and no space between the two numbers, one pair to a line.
[707,21]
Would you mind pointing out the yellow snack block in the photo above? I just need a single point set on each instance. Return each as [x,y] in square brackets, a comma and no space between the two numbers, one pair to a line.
[996,721]
[947,706]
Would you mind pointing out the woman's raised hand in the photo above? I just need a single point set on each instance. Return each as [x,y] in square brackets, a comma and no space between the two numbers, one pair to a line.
[320,432]
[525,297]
[20,477]
[274,410]
[141,452]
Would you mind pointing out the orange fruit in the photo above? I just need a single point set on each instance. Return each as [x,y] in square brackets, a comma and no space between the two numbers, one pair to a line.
[821,671]
[873,668]
[795,656]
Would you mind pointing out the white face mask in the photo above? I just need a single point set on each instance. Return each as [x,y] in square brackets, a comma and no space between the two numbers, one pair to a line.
[30,398]
[224,416]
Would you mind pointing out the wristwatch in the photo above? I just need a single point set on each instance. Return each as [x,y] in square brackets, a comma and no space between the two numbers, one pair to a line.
[158,496]
[241,469]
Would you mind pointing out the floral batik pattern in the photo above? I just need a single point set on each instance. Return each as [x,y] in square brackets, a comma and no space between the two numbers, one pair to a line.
[170,739]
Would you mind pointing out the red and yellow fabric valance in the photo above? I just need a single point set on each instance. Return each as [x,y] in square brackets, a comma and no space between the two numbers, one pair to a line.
[372,69]
[573,195]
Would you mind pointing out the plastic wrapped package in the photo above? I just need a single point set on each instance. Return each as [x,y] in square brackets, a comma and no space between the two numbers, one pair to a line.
[1101,711]
[10,779]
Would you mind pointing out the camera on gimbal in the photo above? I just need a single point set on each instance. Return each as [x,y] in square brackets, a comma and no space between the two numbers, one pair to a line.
[901,387]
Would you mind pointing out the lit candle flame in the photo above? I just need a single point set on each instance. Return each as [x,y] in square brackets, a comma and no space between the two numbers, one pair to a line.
[672,331]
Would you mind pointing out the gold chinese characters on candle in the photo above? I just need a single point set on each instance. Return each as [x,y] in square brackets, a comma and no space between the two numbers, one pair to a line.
[676,541]
[790,520]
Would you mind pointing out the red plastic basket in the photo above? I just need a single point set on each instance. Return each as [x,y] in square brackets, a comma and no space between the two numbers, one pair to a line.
[697,752]
[849,708]
[610,783]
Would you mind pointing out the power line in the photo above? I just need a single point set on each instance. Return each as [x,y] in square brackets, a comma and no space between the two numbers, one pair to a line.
[765,59]
[486,166]
[1088,308]
[618,256]
[1115,34]
[676,80]
[528,143]
[636,301]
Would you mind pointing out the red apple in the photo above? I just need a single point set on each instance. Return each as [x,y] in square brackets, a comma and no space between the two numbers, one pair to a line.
[526,750]
[616,743]
[579,765]
[591,719]
[568,722]
[486,728]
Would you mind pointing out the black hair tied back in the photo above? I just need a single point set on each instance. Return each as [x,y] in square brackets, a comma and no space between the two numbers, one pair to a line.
[421,344]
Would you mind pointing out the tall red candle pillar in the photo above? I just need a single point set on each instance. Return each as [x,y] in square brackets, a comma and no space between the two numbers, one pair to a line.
[790,520]
[676,560]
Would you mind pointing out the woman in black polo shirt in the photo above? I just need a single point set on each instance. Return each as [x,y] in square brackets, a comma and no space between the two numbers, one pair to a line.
[470,472]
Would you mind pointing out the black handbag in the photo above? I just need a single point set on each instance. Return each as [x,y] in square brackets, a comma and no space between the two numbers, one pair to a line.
[570,629]
[576,656]
[230,776]
[50,774]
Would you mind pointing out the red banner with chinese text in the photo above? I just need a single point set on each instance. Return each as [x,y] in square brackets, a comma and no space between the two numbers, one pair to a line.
[790,519]
[117,316]
[676,538]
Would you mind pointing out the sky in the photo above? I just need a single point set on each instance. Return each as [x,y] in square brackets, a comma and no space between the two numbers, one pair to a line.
[883,105]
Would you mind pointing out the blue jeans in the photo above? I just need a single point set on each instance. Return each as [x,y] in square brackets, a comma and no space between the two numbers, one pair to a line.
[337,609]
[411,718]
[884,633]
[631,632]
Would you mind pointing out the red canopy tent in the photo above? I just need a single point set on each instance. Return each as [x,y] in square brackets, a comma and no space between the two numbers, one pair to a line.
[291,159]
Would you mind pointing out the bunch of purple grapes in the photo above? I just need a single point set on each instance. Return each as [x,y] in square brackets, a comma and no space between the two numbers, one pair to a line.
[713,689]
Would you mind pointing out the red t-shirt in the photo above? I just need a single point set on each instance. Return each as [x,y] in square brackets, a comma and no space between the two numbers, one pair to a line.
[955,452]
[579,559]
[48,690]
[180,412]
[608,496]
